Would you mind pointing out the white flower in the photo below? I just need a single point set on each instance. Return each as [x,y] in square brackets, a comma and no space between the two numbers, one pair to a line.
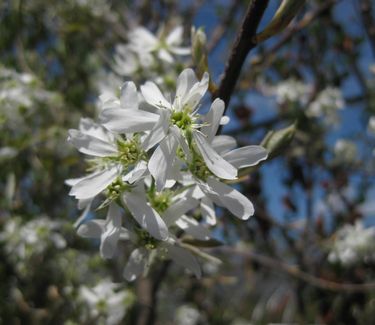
[371,125]
[326,105]
[105,300]
[114,157]
[23,241]
[210,188]
[142,41]
[181,125]
[173,211]
[140,258]
[353,244]
[145,52]
[177,125]
[345,151]
[108,231]
[187,315]
[118,165]
[292,90]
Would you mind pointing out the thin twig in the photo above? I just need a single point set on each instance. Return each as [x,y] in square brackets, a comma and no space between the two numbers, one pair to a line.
[308,18]
[306,277]
[242,46]
[147,292]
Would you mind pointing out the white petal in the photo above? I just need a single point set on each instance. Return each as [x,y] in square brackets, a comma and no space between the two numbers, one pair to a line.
[136,173]
[129,96]
[73,181]
[136,264]
[94,183]
[86,204]
[175,36]
[111,234]
[246,156]
[89,127]
[193,228]
[90,145]
[185,81]
[127,120]
[213,118]
[153,95]
[197,92]
[179,208]
[146,216]
[181,141]
[159,131]
[184,258]
[223,143]
[162,159]
[180,50]
[208,211]
[141,35]
[91,229]
[234,201]
[216,164]
[164,55]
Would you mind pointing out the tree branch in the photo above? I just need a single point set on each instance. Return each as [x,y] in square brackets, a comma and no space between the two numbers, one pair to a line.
[306,277]
[242,46]
[308,18]
[147,292]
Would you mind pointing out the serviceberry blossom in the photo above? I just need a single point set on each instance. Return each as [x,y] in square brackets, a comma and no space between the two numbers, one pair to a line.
[353,244]
[106,302]
[145,52]
[142,41]
[326,104]
[345,151]
[159,161]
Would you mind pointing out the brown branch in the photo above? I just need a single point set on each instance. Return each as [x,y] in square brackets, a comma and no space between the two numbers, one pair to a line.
[306,277]
[242,46]
[222,28]
[147,292]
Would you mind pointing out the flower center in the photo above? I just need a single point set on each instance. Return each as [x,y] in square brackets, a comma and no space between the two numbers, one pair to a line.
[160,201]
[116,188]
[182,119]
[146,240]
[199,169]
[129,151]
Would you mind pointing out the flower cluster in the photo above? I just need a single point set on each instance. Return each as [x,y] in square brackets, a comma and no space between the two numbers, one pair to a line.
[345,152]
[353,244]
[324,104]
[150,56]
[25,241]
[157,159]
[105,302]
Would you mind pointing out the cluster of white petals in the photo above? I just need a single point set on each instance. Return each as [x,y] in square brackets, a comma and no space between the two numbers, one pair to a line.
[146,51]
[160,161]
[105,302]
[23,241]
[345,151]
[324,104]
[353,244]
